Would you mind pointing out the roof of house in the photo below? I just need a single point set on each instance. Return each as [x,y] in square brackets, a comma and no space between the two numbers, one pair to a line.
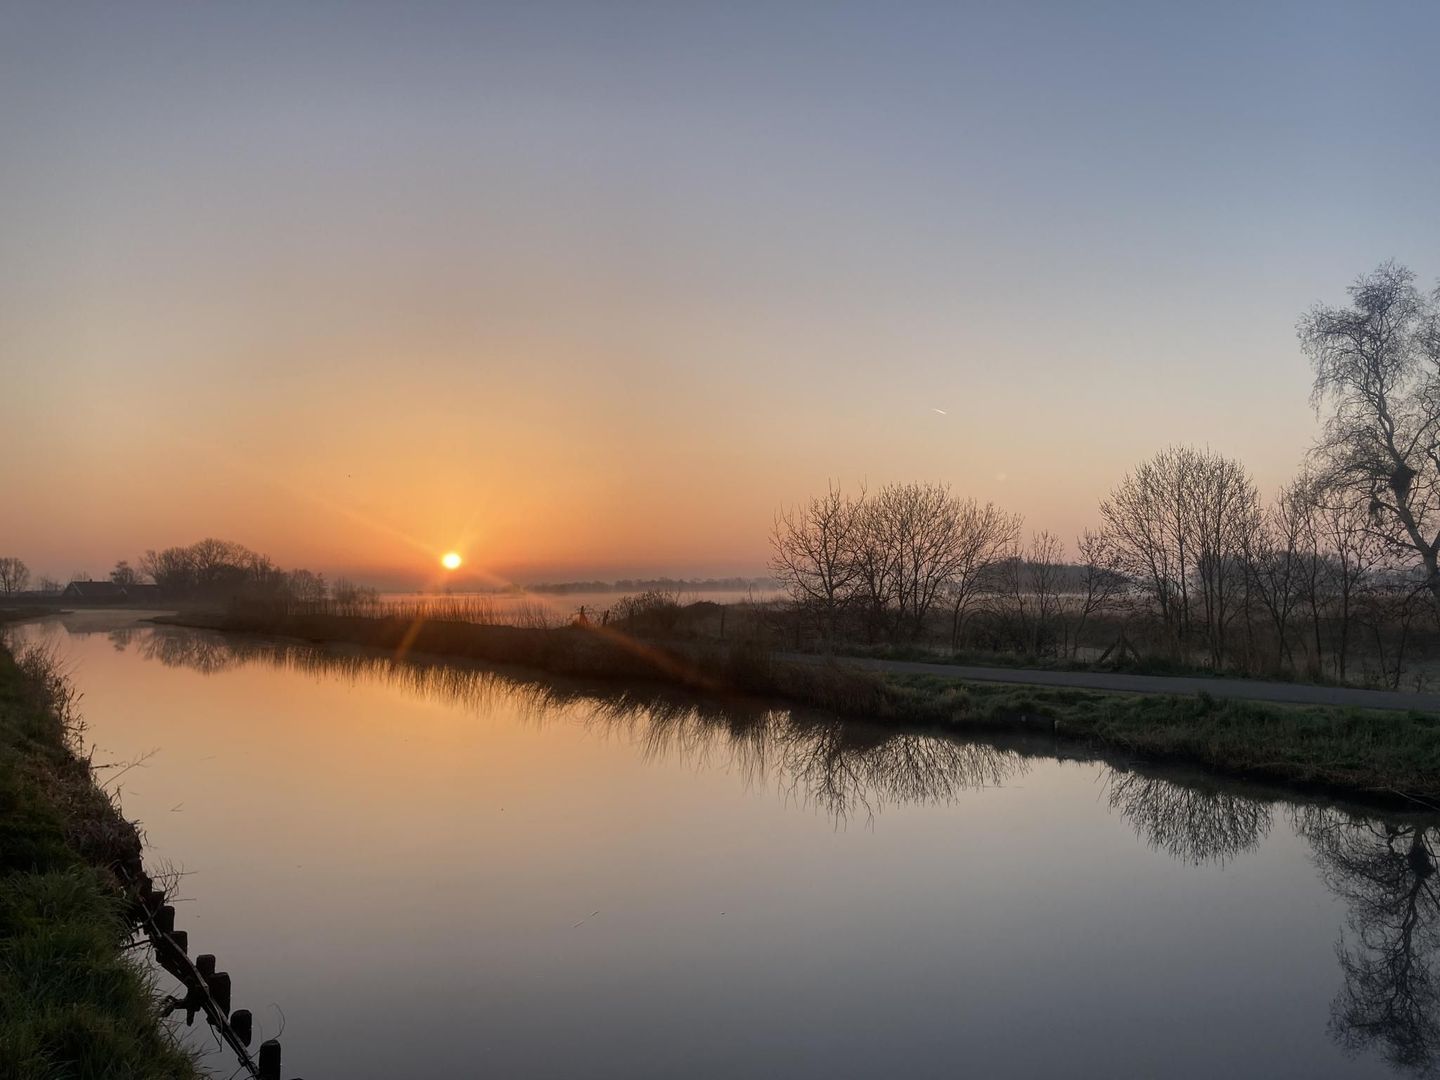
[95,590]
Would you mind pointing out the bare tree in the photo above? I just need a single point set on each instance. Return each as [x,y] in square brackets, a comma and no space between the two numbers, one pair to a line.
[1278,555]
[1350,554]
[1029,582]
[14,575]
[1146,525]
[124,574]
[812,554]
[306,586]
[172,569]
[985,535]
[875,562]
[922,523]
[1101,582]
[1224,512]
[1180,524]
[895,556]
[1377,368]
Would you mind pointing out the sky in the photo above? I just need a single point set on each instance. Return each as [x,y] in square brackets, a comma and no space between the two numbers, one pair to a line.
[592,290]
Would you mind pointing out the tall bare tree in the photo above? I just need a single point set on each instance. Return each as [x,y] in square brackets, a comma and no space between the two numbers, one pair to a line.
[1278,557]
[812,554]
[1146,525]
[1224,513]
[1101,583]
[14,575]
[1029,581]
[1180,524]
[1377,370]
[985,535]
[923,525]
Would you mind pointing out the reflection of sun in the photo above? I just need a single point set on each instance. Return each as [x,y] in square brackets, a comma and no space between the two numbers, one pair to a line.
[450,560]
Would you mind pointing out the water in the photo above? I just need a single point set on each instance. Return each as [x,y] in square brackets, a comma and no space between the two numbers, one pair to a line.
[443,872]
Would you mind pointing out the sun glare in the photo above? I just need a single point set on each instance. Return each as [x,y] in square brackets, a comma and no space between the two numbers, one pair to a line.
[450,560]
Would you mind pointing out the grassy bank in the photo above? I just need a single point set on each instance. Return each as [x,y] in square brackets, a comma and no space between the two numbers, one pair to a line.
[1383,755]
[74,1002]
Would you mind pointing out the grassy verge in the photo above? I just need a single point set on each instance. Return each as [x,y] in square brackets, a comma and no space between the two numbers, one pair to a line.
[1384,755]
[74,1003]
[1129,665]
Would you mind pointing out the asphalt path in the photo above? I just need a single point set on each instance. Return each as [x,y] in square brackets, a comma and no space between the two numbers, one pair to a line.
[1237,689]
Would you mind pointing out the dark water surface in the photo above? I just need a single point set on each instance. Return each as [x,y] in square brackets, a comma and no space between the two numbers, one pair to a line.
[439,871]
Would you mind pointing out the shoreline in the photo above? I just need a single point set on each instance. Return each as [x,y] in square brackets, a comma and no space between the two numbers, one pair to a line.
[74,998]
[1391,759]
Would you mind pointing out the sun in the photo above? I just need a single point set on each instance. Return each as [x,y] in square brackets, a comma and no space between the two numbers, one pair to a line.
[451,560]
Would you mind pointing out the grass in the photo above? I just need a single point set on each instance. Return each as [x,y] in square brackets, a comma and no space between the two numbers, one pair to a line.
[1149,664]
[74,1003]
[1387,756]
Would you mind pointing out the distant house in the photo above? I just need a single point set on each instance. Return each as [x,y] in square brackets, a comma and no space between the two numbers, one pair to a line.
[95,592]
[144,594]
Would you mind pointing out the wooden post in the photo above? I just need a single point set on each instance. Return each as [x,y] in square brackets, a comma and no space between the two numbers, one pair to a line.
[181,939]
[270,1060]
[165,918]
[242,1024]
[220,990]
[205,964]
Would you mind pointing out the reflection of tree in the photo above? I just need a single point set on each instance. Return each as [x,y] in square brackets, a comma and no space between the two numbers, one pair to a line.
[121,637]
[202,652]
[841,767]
[1385,872]
[838,766]
[1197,822]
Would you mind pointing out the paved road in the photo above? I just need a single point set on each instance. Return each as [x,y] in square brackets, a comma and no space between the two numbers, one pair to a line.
[1241,689]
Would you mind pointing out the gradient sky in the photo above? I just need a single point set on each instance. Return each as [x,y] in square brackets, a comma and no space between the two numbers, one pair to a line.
[590,290]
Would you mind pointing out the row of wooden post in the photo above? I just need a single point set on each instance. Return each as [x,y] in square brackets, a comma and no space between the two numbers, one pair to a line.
[206,989]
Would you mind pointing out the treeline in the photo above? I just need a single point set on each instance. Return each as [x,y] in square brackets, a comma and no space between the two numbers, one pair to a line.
[634,585]
[222,570]
[661,584]
[1188,564]
[1187,561]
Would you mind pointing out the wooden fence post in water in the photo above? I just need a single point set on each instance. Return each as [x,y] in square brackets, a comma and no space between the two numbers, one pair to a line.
[165,919]
[270,1060]
[220,990]
[241,1024]
[205,964]
[151,898]
[181,939]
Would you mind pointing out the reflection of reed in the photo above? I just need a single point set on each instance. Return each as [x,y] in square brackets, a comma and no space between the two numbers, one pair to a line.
[838,766]
[1193,822]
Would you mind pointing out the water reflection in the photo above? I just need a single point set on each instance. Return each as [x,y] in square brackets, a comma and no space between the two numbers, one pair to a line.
[841,768]
[1201,821]
[1382,868]
[1385,871]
